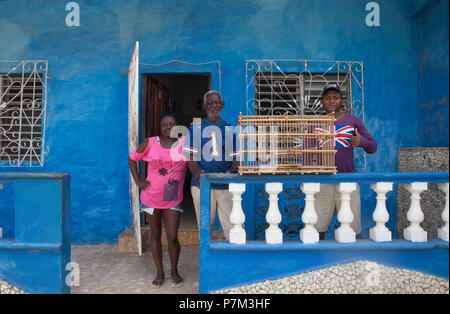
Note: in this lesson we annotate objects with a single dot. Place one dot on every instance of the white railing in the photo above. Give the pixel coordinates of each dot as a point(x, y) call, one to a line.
point(344, 234)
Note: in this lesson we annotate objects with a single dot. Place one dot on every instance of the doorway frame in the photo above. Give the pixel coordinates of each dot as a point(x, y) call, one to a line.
point(144, 78)
point(177, 67)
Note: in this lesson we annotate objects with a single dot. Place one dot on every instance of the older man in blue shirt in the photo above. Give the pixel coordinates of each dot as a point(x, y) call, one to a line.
point(212, 150)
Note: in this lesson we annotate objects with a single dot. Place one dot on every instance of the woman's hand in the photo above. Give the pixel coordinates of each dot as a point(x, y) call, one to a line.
point(143, 184)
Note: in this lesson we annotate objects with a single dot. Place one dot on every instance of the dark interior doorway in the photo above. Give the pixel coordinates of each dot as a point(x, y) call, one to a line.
point(183, 95)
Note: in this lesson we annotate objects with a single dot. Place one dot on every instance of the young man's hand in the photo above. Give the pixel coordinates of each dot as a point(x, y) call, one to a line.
point(356, 139)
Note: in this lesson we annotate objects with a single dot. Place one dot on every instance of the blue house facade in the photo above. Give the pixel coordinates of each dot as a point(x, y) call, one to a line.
point(86, 47)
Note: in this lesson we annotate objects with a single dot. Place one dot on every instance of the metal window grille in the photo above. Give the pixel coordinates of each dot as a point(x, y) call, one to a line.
point(23, 90)
point(296, 93)
point(277, 87)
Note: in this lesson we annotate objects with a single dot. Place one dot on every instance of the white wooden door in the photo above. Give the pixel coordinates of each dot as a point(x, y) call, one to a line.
point(133, 137)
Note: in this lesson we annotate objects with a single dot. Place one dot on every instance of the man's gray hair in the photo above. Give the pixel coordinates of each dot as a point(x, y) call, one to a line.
point(212, 92)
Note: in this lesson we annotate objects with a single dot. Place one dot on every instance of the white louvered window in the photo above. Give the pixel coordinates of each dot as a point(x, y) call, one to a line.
point(22, 113)
point(296, 93)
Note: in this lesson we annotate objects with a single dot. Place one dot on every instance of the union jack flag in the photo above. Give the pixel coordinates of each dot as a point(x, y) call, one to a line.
point(343, 134)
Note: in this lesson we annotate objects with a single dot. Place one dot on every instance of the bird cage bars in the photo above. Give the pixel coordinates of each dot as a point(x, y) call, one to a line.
point(286, 144)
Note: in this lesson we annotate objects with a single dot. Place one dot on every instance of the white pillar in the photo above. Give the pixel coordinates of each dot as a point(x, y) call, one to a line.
point(443, 232)
point(415, 232)
point(345, 233)
point(309, 234)
point(237, 217)
point(273, 216)
point(380, 233)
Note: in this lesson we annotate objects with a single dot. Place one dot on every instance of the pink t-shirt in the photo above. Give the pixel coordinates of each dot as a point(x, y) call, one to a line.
point(166, 170)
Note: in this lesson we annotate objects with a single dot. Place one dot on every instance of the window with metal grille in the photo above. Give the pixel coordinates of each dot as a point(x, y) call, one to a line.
point(22, 112)
point(280, 86)
point(296, 93)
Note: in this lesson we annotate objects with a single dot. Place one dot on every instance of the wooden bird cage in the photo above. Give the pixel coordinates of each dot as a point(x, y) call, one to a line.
point(287, 144)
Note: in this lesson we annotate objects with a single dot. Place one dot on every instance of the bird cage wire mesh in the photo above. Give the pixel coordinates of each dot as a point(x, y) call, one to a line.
point(284, 90)
point(293, 144)
point(23, 94)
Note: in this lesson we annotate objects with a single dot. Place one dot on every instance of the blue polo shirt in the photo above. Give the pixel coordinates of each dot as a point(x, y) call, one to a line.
point(213, 146)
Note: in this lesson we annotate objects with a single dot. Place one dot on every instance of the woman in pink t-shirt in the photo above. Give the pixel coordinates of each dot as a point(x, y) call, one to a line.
point(162, 192)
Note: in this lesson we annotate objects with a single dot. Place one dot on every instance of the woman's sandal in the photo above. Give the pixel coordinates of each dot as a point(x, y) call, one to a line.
point(177, 282)
point(157, 283)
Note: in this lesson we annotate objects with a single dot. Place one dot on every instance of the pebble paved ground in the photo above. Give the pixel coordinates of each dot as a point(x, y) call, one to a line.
point(6, 288)
point(103, 269)
point(361, 277)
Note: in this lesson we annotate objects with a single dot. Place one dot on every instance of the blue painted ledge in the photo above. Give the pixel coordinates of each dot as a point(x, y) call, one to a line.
point(14, 176)
point(8, 244)
point(372, 177)
point(328, 245)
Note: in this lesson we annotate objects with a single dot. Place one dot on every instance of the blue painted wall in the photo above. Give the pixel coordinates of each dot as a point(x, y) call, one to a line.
point(433, 79)
point(7, 210)
point(86, 126)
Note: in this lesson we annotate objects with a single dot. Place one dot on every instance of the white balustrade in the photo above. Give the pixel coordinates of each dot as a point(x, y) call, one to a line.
point(380, 233)
point(273, 216)
point(237, 217)
point(415, 232)
point(345, 233)
point(443, 232)
point(309, 234)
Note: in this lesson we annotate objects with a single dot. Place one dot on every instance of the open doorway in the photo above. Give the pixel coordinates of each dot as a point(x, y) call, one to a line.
point(183, 95)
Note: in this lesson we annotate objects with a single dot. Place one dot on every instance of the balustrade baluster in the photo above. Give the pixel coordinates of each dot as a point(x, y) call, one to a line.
point(237, 217)
point(443, 232)
point(273, 216)
point(309, 234)
point(380, 233)
point(345, 233)
point(415, 232)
